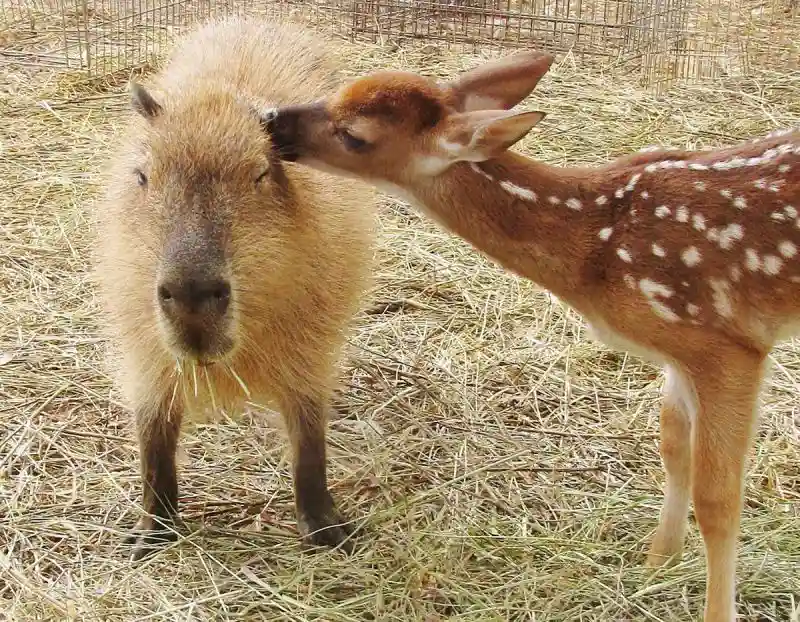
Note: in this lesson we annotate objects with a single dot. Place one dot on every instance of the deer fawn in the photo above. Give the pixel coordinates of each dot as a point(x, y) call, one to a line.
point(689, 259)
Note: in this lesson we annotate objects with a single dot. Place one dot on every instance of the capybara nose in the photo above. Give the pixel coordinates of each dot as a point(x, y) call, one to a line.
point(192, 297)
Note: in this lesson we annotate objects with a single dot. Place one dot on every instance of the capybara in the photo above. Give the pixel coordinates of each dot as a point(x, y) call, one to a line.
point(225, 274)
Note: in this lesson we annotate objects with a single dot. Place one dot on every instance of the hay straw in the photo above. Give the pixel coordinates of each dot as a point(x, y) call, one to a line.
point(505, 465)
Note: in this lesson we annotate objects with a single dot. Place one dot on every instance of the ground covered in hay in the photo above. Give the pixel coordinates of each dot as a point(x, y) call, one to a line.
point(505, 466)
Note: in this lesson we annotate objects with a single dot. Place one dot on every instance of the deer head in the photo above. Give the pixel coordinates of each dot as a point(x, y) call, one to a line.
point(400, 127)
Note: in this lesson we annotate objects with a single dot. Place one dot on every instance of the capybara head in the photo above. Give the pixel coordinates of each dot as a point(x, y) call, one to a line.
point(213, 212)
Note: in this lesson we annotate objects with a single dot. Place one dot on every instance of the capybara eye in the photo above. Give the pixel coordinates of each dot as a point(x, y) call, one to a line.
point(263, 176)
point(141, 178)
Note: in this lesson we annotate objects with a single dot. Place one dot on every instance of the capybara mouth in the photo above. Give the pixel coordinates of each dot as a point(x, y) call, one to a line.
point(203, 347)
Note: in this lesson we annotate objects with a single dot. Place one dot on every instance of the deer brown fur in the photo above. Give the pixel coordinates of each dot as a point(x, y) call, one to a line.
point(689, 259)
point(227, 276)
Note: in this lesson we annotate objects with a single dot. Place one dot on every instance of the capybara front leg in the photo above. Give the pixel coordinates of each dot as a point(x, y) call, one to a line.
point(158, 430)
point(318, 519)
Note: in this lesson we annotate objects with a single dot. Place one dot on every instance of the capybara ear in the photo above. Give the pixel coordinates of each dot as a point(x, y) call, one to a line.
point(143, 102)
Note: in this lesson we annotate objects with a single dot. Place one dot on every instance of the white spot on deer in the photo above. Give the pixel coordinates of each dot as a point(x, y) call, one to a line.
point(787, 249)
point(605, 233)
point(791, 212)
point(775, 186)
point(553, 200)
point(700, 186)
point(740, 203)
point(653, 290)
point(682, 214)
point(726, 193)
point(736, 273)
point(651, 168)
point(629, 281)
point(785, 148)
point(784, 168)
point(624, 255)
point(518, 191)
point(699, 222)
point(574, 204)
point(619, 193)
point(696, 166)
point(751, 260)
point(692, 309)
point(729, 235)
point(721, 297)
point(760, 183)
point(659, 251)
point(601, 200)
point(645, 194)
point(691, 256)
point(775, 134)
point(772, 265)
point(737, 162)
point(632, 182)
point(713, 234)
point(779, 216)
point(480, 171)
point(662, 211)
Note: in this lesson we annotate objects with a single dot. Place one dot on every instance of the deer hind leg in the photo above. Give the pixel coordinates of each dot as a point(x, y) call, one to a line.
point(158, 429)
point(318, 520)
point(727, 391)
point(677, 411)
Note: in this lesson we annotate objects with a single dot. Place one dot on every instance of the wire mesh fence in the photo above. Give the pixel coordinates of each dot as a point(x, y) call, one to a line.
point(664, 39)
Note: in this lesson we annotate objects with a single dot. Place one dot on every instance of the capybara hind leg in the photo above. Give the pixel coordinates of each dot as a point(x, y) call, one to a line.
point(318, 519)
point(158, 431)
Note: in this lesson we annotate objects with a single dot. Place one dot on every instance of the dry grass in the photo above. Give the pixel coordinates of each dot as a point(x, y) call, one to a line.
point(505, 466)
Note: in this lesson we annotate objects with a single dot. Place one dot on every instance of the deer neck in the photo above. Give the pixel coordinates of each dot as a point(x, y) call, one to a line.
point(538, 221)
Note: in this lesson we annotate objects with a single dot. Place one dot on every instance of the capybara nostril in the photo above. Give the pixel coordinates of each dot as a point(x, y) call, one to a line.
point(193, 296)
point(164, 293)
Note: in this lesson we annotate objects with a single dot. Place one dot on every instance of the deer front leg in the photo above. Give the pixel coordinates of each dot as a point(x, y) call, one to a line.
point(318, 520)
point(721, 439)
point(158, 430)
point(675, 447)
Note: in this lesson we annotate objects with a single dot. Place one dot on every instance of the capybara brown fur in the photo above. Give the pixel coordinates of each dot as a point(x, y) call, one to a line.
point(226, 275)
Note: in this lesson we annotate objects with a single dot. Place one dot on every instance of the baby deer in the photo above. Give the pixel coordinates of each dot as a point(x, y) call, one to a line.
point(689, 259)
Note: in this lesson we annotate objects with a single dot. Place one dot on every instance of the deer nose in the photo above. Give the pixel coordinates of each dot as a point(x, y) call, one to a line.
point(193, 297)
point(283, 126)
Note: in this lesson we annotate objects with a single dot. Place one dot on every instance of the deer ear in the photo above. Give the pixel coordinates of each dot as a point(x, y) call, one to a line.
point(500, 84)
point(143, 102)
point(482, 135)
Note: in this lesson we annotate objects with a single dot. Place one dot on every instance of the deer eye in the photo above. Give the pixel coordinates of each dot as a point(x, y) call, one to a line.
point(353, 143)
point(141, 178)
